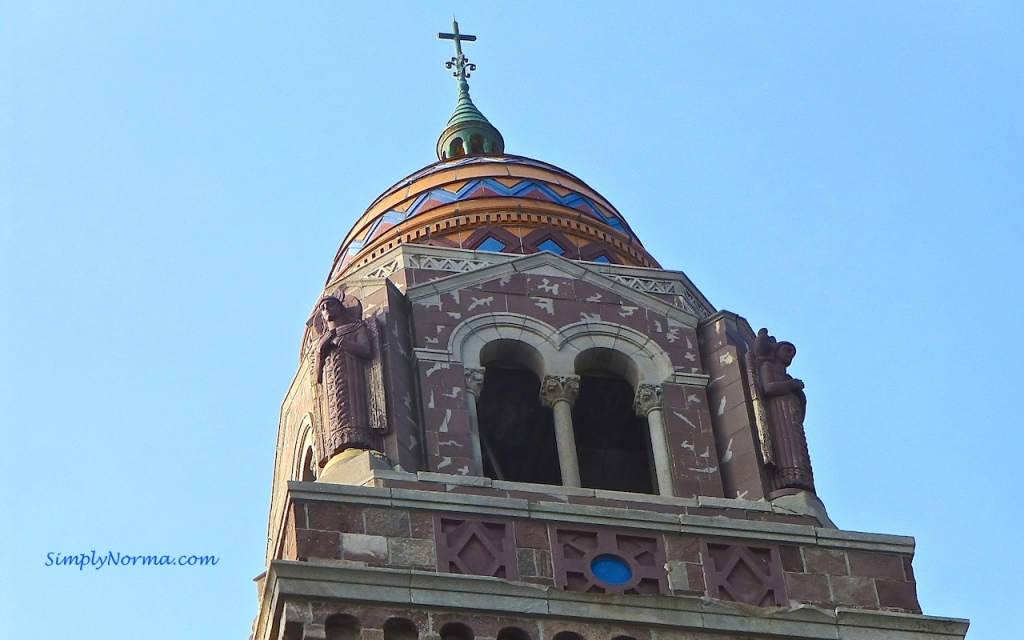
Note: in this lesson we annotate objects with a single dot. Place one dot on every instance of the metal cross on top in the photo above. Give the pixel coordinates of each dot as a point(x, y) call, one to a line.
point(460, 62)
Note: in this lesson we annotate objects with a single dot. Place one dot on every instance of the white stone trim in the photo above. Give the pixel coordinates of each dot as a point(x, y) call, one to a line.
point(557, 510)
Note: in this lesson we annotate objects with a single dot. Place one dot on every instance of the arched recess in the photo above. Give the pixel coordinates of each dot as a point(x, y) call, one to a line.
point(303, 465)
point(613, 443)
point(645, 360)
point(469, 338)
point(512, 633)
point(341, 627)
point(515, 439)
point(517, 433)
point(400, 629)
point(456, 631)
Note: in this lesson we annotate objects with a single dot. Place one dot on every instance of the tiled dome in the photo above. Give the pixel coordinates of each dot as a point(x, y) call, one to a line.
point(502, 203)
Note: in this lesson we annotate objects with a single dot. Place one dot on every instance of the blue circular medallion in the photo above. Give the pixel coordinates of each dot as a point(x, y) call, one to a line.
point(611, 569)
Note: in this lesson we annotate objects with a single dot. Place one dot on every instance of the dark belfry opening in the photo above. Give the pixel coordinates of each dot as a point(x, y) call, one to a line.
point(341, 627)
point(456, 149)
point(476, 143)
point(517, 434)
point(613, 444)
point(400, 629)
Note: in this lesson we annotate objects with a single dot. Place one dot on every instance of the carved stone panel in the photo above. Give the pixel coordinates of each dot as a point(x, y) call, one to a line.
point(751, 574)
point(606, 561)
point(476, 547)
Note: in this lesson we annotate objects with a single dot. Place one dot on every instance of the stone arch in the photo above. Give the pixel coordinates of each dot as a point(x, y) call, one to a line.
point(304, 443)
point(470, 338)
point(614, 362)
point(647, 361)
point(509, 350)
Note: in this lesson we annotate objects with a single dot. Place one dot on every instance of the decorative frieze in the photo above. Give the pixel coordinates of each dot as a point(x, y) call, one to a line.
point(476, 547)
point(751, 574)
point(450, 263)
point(690, 302)
point(604, 561)
point(382, 271)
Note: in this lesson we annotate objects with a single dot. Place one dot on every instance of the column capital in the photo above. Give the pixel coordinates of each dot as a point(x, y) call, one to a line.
point(475, 381)
point(648, 398)
point(555, 388)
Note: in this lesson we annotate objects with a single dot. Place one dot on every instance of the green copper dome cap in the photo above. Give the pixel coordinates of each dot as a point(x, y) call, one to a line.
point(468, 132)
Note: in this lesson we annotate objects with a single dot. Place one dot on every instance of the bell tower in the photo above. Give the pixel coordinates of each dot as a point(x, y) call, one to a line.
point(510, 423)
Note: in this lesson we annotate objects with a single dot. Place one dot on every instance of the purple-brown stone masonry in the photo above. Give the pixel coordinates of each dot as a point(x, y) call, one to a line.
point(837, 577)
point(724, 338)
point(559, 302)
point(521, 549)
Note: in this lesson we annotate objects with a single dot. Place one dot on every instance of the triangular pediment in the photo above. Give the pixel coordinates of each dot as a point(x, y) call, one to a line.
point(599, 284)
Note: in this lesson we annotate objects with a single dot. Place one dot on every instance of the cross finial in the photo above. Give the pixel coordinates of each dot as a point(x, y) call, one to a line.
point(460, 62)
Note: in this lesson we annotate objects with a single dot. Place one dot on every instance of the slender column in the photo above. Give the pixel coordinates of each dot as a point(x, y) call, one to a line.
point(648, 403)
point(474, 385)
point(559, 393)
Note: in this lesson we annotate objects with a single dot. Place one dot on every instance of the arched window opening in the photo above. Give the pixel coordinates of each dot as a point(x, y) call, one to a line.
point(341, 627)
point(456, 149)
point(512, 633)
point(476, 143)
point(456, 631)
point(306, 473)
point(567, 635)
point(517, 434)
point(400, 629)
point(613, 444)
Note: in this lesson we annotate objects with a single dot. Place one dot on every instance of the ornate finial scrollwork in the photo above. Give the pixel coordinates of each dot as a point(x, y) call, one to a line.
point(475, 381)
point(461, 64)
point(648, 398)
point(559, 388)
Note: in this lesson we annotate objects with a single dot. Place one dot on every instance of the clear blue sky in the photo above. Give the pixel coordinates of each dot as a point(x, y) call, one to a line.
point(175, 180)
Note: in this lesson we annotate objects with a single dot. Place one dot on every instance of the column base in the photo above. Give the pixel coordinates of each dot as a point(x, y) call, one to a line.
point(353, 466)
point(803, 503)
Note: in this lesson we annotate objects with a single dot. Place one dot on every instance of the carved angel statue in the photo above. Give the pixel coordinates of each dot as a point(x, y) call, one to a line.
point(341, 354)
point(779, 407)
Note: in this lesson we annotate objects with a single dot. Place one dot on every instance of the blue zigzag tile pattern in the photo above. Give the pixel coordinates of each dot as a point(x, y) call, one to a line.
point(528, 188)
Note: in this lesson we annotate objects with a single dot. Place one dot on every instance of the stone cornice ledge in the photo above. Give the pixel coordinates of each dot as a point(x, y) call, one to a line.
point(289, 580)
point(558, 510)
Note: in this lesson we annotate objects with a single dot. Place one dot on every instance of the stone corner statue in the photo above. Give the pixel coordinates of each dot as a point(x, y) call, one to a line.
point(341, 353)
point(779, 408)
